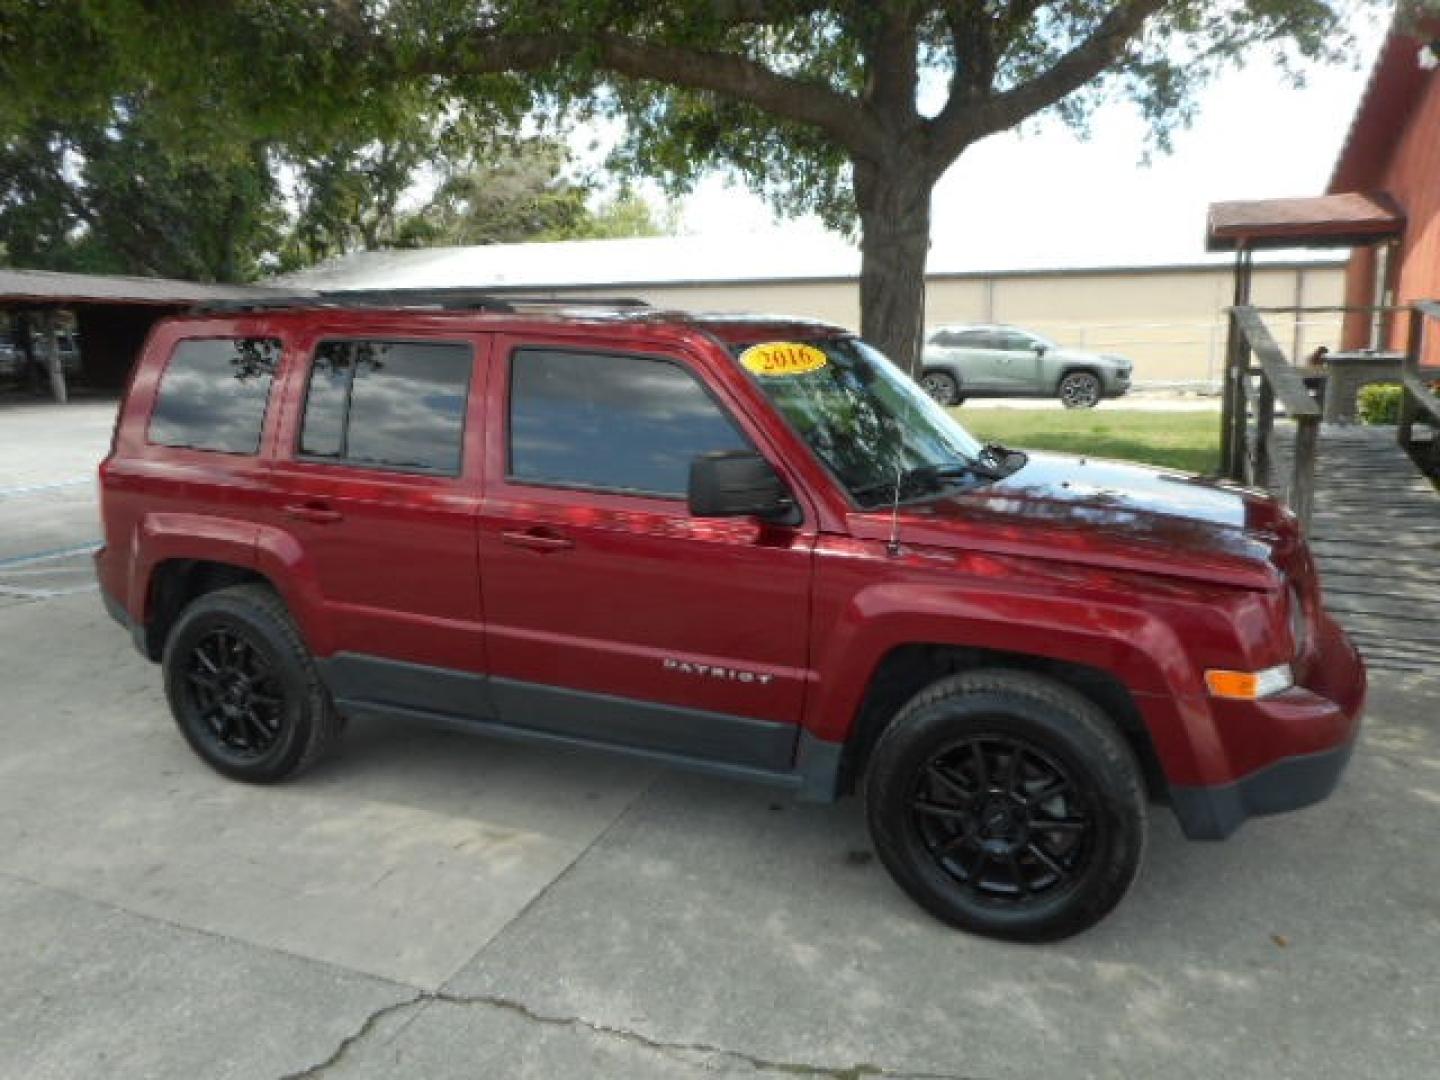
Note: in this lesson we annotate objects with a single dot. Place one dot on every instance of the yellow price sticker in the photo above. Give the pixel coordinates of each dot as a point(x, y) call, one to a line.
point(782, 358)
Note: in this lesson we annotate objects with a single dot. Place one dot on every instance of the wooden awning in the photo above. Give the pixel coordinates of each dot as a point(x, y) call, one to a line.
point(1348, 220)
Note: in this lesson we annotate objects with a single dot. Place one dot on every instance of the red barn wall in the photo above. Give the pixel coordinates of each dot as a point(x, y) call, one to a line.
point(1412, 177)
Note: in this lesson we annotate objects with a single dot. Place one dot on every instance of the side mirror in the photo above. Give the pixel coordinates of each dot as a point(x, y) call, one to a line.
point(739, 483)
point(1041, 348)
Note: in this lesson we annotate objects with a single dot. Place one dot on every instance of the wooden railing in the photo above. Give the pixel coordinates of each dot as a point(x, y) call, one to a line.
point(1418, 402)
point(1248, 409)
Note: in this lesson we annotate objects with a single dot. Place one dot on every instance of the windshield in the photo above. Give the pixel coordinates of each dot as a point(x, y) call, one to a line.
point(865, 419)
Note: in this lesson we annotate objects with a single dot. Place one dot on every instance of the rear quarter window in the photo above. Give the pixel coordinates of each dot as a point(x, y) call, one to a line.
point(214, 393)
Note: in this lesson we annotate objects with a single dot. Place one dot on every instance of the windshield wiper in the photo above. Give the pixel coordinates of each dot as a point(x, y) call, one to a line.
point(931, 474)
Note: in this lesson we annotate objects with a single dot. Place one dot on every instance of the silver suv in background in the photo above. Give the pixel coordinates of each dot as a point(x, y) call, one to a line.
point(12, 354)
point(967, 361)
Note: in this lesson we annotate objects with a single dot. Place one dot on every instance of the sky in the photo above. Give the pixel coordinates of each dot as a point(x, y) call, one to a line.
point(1043, 194)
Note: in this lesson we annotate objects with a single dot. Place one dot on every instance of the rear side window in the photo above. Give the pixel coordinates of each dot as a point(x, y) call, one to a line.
point(388, 404)
point(617, 423)
point(213, 394)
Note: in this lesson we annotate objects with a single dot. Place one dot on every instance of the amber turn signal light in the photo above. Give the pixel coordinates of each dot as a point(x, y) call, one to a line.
point(1249, 685)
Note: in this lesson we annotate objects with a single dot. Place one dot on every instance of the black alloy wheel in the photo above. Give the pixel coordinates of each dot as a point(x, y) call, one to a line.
point(1002, 818)
point(234, 693)
point(1007, 804)
point(243, 688)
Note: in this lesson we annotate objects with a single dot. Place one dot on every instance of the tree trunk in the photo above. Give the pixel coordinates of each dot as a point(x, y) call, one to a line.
point(894, 203)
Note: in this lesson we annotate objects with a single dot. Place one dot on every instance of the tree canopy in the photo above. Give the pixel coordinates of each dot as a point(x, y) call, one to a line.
point(849, 108)
point(105, 196)
point(511, 190)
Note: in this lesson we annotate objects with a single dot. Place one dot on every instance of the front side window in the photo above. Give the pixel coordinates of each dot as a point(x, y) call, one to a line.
point(214, 393)
point(388, 404)
point(619, 423)
point(871, 425)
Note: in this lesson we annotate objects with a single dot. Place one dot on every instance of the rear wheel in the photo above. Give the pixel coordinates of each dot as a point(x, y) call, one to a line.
point(243, 688)
point(941, 386)
point(1008, 805)
point(1080, 390)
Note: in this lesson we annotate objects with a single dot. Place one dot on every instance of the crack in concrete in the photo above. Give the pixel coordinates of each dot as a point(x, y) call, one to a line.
point(424, 999)
point(361, 1033)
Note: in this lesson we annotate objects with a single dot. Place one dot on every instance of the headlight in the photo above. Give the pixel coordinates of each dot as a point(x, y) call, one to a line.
point(1249, 685)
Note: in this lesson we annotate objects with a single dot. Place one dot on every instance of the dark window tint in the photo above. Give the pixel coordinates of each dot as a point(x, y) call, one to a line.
point(1013, 342)
point(624, 423)
point(213, 394)
point(391, 404)
point(969, 339)
point(326, 402)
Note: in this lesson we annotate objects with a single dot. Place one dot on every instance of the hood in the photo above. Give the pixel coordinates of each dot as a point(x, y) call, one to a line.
point(1118, 515)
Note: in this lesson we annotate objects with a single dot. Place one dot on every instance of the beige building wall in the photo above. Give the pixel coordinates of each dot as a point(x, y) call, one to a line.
point(1170, 322)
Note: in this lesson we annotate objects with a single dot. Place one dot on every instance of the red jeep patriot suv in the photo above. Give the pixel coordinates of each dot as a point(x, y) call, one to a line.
point(745, 545)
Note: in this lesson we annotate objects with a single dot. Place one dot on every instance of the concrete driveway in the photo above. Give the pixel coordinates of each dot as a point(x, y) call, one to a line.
point(429, 905)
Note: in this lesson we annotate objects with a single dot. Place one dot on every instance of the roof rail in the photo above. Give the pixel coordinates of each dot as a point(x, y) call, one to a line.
point(449, 299)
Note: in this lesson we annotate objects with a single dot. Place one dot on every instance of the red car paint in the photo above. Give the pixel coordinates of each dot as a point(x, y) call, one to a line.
point(1125, 571)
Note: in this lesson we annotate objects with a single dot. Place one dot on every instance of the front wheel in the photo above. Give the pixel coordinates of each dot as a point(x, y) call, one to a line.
point(1080, 390)
point(1008, 805)
point(941, 386)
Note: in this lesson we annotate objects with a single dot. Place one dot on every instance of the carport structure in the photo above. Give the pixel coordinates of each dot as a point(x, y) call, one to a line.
point(112, 314)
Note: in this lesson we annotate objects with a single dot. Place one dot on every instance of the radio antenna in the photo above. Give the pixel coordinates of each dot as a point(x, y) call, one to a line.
point(893, 547)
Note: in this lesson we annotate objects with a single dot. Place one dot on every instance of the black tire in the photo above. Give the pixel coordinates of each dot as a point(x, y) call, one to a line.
point(951, 801)
point(942, 386)
point(243, 688)
point(1080, 390)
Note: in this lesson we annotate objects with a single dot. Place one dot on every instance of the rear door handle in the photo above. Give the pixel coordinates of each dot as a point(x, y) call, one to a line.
point(315, 513)
point(542, 540)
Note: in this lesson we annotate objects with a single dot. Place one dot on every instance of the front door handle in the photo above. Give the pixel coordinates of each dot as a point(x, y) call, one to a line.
point(314, 512)
point(541, 540)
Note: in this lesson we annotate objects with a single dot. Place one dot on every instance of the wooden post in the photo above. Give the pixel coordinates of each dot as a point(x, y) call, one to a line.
point(1264, 426)
point(1302, 478)
point(53, 364)
point(1234, 409)
point(1409, 407)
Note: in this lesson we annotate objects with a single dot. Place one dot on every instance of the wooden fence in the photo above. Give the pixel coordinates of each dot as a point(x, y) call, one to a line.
point(1258, 378)
point(1247, 420)
point(1418, 402)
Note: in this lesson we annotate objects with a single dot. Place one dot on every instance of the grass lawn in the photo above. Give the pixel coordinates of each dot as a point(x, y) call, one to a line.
point(1180, 440)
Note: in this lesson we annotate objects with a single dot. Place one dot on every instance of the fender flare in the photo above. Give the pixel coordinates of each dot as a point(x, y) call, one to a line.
point(1136, 647)
point(270, 552)
point(166, 536)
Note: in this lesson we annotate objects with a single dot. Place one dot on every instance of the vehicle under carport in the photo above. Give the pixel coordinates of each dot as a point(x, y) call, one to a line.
point(110, 316)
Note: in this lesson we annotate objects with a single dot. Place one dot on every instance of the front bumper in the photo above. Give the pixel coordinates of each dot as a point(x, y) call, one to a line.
point(1213, 813)
point(1317, 722)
